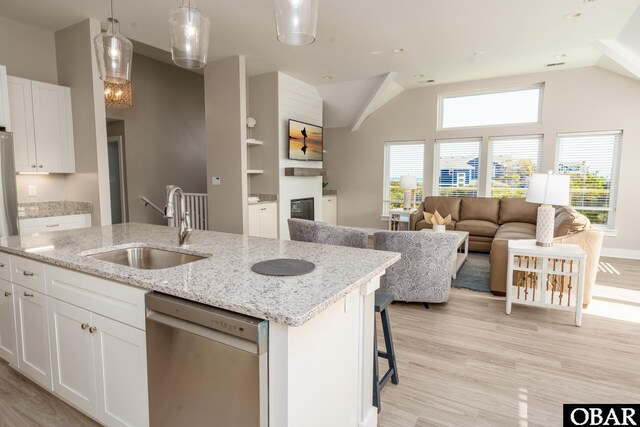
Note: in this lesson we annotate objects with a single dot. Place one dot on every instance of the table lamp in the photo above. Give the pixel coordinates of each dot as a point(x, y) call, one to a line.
point(547, 189)
point(408, 183)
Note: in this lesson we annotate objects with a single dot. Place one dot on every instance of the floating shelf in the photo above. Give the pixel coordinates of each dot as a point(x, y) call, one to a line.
point(254, 171)
point(254, 142)
point(304, 172)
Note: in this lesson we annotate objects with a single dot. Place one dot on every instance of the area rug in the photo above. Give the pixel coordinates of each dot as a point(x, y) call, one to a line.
point(474, 273)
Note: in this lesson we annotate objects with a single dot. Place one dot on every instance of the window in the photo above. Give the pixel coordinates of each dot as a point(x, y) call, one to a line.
point(493, 108)
point(401, 158)
point(457, 167)
point(512, 162)
point(592, 160)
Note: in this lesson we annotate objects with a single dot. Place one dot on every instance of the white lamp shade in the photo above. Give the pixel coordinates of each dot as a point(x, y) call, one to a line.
point(408, 182)
point(549, 189)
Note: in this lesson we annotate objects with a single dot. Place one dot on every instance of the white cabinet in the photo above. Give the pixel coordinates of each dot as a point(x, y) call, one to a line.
point(34, 357)
point(53, 223)
point(8, 336)
point(5, 117)
point(330, 209)
point(41, 121)
point(263, 220)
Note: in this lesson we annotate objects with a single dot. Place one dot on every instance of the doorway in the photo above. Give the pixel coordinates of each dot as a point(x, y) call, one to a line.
point(117, 180)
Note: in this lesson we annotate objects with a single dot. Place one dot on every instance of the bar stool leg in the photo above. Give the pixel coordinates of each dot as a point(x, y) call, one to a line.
point(376, 384)
point(388, 340)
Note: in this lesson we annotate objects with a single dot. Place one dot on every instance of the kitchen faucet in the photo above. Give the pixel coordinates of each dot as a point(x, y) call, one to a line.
point(184, 227)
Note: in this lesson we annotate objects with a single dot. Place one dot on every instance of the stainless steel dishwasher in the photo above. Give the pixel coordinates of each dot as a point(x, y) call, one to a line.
point(207, 366)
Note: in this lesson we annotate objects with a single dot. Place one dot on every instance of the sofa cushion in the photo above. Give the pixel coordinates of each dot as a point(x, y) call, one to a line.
point(518, 210)
point(424, 224)
point(516, 230)
point(477, 227)
point(482, 208)
point(444, 205)
point(569, 221)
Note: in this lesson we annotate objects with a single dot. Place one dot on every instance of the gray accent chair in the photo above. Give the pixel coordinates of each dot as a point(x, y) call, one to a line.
point(303, 230)
point(423, 274)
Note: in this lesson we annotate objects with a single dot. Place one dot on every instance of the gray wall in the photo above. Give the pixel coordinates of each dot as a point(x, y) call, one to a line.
point(27, 51)
point(165, 135)
point(584, 99)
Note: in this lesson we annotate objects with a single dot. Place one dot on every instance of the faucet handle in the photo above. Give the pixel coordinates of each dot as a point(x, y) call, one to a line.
point(187, 220)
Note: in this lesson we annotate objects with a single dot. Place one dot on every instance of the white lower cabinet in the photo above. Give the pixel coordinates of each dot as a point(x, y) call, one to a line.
point(34, 357)
point(8, 336)
point(330, 209)
point(53, 223)
point(263, 220)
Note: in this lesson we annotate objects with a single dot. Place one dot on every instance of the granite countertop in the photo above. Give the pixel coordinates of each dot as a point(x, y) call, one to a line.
point(326, 192)
point(48, 209)
point(224, 279)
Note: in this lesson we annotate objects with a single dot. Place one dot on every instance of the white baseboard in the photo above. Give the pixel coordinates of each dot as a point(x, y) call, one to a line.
point(621, 253)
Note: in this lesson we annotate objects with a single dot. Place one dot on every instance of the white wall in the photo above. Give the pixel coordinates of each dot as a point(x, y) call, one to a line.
point(299, 101)
point(583, 99)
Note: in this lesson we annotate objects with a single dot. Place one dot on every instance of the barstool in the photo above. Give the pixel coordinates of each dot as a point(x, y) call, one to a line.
point(382, 302)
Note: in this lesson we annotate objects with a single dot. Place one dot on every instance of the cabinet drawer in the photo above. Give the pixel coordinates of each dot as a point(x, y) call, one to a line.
point(113, 300)
point(28, 273)
point(5, 266)
point(54, 223)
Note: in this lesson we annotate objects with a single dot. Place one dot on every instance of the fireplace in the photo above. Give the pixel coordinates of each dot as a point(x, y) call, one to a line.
point(302, 208)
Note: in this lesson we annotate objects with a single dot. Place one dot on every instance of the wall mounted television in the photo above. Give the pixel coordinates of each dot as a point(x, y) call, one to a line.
point(305, 141)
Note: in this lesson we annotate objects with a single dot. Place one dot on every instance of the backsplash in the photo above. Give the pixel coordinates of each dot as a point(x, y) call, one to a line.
point(45, 209)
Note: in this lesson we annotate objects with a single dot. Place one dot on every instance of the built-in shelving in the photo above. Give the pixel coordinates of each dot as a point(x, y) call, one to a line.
point(304, 172)
point(254, 171)
point(254, 142)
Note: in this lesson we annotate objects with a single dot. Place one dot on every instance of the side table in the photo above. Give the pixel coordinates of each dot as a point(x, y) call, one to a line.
point(399, 219)
point(550, 277)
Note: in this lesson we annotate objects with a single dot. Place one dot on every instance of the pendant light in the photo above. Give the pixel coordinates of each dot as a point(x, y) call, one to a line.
point(296, 21)
point(189, 32)
point(114, 53)
point(118, 97)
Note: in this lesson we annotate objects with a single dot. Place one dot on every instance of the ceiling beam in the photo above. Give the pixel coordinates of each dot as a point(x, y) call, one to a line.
point(617, 52)
point(369, 106)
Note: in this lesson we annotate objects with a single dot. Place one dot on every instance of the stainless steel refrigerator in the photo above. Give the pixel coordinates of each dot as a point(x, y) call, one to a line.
point(8, 192)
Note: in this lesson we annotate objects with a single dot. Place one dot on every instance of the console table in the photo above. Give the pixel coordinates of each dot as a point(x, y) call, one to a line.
point(550, 277)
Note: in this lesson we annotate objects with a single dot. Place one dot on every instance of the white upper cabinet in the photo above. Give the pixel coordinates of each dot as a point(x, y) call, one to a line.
point(5, 118)
point(42, 126)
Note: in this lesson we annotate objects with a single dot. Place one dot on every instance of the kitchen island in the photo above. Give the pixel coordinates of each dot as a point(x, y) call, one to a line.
point(320, 324)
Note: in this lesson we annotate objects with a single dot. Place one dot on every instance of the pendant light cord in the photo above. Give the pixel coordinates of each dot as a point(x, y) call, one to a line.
point(111, 9)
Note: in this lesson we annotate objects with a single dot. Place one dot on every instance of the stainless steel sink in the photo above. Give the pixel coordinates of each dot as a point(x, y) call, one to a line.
point(147, 258)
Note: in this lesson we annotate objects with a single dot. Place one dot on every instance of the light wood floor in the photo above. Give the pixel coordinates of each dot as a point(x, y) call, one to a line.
point(466, 363)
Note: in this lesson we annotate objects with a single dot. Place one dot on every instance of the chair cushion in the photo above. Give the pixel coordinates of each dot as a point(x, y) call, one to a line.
point(477, 227)
point(422, 224)
point(518, 210)
point(516, 230)
point(482, 208)
point(444, 205)
point(569, 221)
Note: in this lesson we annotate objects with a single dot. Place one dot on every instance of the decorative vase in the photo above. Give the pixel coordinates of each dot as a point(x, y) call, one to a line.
point(439, 228)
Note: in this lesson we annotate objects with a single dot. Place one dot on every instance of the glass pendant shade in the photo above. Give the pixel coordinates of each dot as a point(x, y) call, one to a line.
point(114, 54)
point(189, 33)
point(118, 97)
point(296, 21)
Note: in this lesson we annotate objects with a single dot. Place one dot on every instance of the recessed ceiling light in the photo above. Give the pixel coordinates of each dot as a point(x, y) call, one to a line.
point(424, 82)
point(398, 50)
point(561, 55)
point(419, 76)
point(573, 15)
point(375, 52)
point(479, 53)
point(327, 77)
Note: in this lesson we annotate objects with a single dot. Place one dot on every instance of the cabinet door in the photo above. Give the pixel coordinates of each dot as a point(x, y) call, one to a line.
point(269, 221)
point(5, 117)
point(21, 111)
point(51, 117)
point(8, 335)
point(330, 209)
point(34, 356)
point(254, 220)
point(72, 355)
point(121, 373)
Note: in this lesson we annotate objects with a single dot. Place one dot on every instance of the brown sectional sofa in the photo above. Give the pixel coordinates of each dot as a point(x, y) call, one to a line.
point(492, 222)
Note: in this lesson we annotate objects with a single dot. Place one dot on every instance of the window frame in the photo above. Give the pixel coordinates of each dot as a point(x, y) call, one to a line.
point(386, 199)
point(436, 163)
point(615, 174)
point(489, 160)
point(443, 96)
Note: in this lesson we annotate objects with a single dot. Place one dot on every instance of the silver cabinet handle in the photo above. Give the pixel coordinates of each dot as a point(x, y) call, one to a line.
point(1, 265)
point(7, 294)
point(27, 273)
point(53, 225)
point(40, 166)
point(84, 326)
point(28, 295)
point(92, 329)
point(33, 166)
